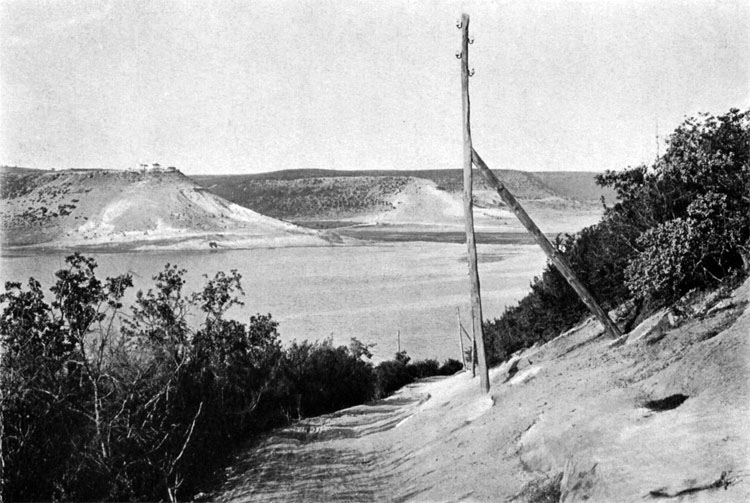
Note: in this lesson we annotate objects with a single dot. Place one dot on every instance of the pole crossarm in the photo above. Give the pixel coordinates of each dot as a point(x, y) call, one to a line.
point(551, 252)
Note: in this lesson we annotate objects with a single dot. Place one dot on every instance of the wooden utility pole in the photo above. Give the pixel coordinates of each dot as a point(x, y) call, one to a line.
point(550, 250)
point(461, 338)
point(476, 300)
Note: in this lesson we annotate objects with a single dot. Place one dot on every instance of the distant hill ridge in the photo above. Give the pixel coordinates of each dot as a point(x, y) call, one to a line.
point(301, 194)
point(95, 207)
point(155, 208)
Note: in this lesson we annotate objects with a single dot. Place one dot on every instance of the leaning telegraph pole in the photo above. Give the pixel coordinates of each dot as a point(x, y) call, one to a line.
point(476, 299)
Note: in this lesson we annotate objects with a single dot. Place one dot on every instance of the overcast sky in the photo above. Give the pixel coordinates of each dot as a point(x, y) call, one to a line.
point(252, 86)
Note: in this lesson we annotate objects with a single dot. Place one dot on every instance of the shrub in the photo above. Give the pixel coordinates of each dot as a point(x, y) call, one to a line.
point(667, 261)
point(147, 413)
point(391, 375)
point(684, 253)
point(423, 368)
point(679, 224)
point(394, 374)
point(54, 380)
point(450, 367)
point(696, 199)
point(325, 378)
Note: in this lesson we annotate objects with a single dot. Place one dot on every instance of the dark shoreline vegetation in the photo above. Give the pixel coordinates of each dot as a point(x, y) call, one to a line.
point(104, 403)
point(401, 236)
point(383, 234)
point(147, 409)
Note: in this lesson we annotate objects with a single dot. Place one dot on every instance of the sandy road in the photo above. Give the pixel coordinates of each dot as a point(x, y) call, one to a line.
point(335, 457)
point(662, 415)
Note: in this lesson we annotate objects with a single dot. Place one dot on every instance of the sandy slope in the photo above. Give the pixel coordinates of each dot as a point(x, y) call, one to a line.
point(94, 208)
point(421, 205)
point(577, 408)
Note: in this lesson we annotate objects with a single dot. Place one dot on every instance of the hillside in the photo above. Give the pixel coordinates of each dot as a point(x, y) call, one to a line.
point(287, 194)
point(158, 208)
point(306, 198)
point(580, 186)
point(103, 208)
point(18, 170)
point(660, 414)
point(431, 198)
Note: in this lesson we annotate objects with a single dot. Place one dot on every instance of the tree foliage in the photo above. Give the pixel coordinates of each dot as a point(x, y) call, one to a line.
point(105, 403)
point(691, 208)
point(679, 224)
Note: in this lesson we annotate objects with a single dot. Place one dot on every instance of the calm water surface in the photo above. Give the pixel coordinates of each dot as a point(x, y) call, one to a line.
point(369, 292)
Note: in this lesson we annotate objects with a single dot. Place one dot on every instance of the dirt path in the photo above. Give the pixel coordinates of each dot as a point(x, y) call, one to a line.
point(329, 458)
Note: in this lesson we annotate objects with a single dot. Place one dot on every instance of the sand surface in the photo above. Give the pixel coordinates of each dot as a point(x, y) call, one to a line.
point(579, 411)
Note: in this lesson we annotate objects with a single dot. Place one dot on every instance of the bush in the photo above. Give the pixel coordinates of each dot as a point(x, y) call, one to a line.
point(144, 414)
point(148, 411)
point(450, 367)
point(666, 261)
point(325, 378)
point(685, 253)
point(391, 375)
point(394, 374)
point(679, 224)
point(423, 368)
point(695, 203)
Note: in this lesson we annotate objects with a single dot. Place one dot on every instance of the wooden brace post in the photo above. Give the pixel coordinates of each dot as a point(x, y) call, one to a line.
point(543, 242)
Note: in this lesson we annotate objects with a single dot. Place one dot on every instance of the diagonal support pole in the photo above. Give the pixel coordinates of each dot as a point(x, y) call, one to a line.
point(543, 242)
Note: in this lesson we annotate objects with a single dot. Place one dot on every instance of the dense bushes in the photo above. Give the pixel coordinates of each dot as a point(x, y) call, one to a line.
point(147, 410)
point(324, 378)
point(394, 374)
point(692, 207)
point(679, 224)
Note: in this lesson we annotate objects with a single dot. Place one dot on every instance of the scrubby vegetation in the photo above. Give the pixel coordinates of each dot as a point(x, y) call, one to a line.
point(324, 197)
point(396, 373)
point(315, 194)
point(100, 402)
point(680, 224)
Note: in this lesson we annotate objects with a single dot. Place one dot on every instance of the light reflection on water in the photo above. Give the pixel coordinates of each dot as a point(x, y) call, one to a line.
point(368, 292)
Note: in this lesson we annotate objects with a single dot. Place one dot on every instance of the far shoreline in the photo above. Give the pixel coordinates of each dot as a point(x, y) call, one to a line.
point(356, 235)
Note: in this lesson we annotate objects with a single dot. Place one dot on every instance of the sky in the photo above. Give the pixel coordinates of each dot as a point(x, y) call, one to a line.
point(226, 86)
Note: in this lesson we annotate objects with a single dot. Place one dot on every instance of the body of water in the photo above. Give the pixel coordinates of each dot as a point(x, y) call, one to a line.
point(369, 292)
